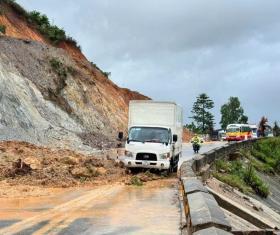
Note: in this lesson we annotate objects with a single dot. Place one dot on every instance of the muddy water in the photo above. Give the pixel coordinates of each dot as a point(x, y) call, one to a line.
point(118, 209)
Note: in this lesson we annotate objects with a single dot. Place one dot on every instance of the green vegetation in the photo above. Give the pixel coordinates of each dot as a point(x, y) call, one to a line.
point(60, 69)
point(106, 74)
point(41, 22)
point(52, 32)
point(232, 112)
point(202, 116)
point(252, 179)
point(238, 175)
point(267, 152)
point(233, 181)
point(2, 29)
point(263, 157)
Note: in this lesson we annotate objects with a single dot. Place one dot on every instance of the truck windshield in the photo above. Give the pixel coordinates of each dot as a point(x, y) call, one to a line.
point(149, 134)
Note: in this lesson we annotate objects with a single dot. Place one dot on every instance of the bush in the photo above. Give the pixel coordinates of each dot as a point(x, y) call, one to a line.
point(3, 29)
point(58, 68)
point(42, 24)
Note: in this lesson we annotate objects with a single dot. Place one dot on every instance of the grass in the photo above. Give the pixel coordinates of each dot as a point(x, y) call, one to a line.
point(233, 181)
point(264, 156)
point(239, 175)
point(267, 151)
point(252, 179)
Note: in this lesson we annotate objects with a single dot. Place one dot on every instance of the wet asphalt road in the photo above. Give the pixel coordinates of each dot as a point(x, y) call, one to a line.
point(113, 209)
point(205, 147)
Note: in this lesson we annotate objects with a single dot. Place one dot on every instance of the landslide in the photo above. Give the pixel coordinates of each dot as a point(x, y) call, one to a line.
point(25, 164)
point(50, 94)
point(22, 163)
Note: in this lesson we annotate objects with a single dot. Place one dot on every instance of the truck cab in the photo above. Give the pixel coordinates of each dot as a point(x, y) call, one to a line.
point(154, 135)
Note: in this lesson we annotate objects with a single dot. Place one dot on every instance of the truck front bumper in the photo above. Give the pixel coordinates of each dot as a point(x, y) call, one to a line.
point(161, 165)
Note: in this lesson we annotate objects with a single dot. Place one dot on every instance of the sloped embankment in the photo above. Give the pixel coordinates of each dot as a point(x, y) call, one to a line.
point(50, 94)
point(47, 96)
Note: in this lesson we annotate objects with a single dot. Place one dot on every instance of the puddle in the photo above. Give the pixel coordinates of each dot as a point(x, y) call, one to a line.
point(151, 209)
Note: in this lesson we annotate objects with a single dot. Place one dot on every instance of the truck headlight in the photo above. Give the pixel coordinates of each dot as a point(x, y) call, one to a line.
point(128, 154)
point(164, 155)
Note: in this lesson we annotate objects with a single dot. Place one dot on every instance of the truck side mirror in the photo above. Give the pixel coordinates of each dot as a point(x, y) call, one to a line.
point(120, 135)
point(175, 138)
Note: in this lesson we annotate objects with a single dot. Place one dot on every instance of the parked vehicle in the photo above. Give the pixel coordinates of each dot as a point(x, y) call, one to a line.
point(254, 130)
point(222, 135)
point(238, 132)
point(154, 135)
point(268, 132)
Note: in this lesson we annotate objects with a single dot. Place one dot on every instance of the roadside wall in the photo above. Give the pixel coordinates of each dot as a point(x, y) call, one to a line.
point(203, 214)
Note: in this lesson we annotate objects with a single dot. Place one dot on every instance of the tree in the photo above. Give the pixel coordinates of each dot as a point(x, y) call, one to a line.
point(276, 129)
point(201, 115)
point(232, 112)
point(192, 127)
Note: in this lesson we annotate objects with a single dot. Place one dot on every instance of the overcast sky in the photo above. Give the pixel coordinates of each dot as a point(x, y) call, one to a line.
point(177, 49)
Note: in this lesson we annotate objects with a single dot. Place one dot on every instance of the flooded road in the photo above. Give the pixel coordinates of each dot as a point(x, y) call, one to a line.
point(117, 209)
point(104, 210)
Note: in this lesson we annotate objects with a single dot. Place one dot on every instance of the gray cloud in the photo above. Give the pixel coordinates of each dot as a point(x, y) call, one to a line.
point(176, 49)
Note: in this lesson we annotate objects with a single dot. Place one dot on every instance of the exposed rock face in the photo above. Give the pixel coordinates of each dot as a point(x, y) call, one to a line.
point(55, 96)
point(46, 96)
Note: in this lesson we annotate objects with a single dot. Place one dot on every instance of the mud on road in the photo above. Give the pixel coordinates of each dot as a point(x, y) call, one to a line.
point(28, 170)
point(26, 164)
point(47, 191)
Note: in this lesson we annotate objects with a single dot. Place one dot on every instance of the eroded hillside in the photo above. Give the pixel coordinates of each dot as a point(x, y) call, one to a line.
point(52, 92)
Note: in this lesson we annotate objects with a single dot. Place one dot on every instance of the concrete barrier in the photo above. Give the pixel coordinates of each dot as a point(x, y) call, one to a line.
point(200, 161)
point(202, 210)
point(204, 215)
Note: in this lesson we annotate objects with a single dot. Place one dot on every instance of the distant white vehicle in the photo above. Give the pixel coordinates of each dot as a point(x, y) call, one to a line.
point(254, 129)
point(154, 135)
point(268, 131)
point(222, 135)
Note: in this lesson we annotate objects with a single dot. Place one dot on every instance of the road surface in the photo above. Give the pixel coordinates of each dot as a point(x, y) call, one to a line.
point(205, 147)
point(112, 209)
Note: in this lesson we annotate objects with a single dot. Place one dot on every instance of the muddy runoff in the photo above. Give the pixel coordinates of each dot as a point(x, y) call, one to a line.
point(46, 191)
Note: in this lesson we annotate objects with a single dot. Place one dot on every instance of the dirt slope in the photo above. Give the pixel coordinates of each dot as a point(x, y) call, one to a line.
point(54, 93)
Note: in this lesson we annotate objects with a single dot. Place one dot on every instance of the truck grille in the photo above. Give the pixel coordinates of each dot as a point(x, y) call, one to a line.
point(146, 156)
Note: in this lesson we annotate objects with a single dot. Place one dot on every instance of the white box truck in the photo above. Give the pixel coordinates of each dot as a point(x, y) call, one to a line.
point(154, 135)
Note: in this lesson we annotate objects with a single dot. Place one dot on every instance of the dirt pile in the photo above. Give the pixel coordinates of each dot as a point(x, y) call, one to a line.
point(26, 164)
